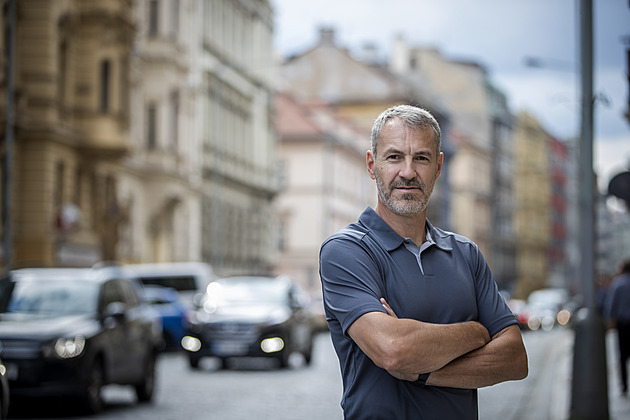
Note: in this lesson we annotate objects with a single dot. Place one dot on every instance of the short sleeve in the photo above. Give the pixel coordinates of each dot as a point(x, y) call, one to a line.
point(350, 281)
point(493, 311)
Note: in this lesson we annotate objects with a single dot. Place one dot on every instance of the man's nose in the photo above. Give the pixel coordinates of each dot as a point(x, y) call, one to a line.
point(407, 170)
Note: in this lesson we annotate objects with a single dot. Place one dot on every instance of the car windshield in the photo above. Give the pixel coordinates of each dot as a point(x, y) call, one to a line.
point(248, 290)
point(47, 296)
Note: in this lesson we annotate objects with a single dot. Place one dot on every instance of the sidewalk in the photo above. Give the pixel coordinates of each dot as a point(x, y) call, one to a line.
point(618, 406)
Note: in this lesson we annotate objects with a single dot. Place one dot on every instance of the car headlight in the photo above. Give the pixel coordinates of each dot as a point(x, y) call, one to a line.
point(67, 348)
point(272, 345)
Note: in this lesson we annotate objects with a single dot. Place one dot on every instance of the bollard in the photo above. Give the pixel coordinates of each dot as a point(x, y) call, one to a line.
point(589, 391)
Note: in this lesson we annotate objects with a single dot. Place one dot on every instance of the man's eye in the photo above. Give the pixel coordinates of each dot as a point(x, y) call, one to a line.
point(393, 157)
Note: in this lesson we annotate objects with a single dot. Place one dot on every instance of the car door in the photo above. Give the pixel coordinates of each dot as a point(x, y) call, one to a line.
point(301, 328)
point(138, 332)
point(115, 330)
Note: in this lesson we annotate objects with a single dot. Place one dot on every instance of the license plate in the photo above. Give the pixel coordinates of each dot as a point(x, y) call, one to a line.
point(12, 371)
point(234, 348)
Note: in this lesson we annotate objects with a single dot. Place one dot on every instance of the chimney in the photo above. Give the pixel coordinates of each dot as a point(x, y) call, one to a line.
point(327, 36)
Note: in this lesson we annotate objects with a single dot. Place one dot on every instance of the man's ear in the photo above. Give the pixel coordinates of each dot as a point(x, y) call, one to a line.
point(369, 161)
point(440, 163)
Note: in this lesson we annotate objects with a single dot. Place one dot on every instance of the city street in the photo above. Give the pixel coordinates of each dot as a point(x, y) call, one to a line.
point(255, 389)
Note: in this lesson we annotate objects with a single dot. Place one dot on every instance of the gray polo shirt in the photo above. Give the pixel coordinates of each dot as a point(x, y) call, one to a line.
point(446, 281)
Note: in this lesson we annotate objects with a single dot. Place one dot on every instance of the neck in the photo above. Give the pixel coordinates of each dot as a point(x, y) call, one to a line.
point(412, 226)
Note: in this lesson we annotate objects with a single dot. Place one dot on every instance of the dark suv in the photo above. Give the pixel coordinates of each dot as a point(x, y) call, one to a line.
point(254, 316)
point(69, 331)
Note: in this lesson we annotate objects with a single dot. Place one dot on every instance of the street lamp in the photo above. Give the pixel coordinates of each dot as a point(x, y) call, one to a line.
point(589, 391)
point(7, 172)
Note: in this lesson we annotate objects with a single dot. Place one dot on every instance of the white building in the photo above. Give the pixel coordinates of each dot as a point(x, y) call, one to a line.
point(325, 183)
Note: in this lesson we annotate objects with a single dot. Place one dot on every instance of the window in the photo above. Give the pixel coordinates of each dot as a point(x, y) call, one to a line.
point(60, 173)
point(112, 293)
point(154, 6)
point(174, 100)
point(151, 127)
point(174, 19)
point(104, 86)
point(63, 73)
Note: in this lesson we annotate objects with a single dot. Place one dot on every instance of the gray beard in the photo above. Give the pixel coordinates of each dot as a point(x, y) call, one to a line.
point(407, 205)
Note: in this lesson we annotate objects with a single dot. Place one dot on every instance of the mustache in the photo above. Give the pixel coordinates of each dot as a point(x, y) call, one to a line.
point(407, 184)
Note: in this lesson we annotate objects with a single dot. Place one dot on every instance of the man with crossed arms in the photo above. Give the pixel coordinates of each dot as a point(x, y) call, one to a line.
point(415, 316)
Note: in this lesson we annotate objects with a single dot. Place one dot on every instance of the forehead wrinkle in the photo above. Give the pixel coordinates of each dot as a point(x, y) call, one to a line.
point(409, 138)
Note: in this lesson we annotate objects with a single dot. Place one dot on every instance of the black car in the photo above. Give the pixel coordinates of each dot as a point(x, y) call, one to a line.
point(250, 317)
point(68, 332)
point(4, 392)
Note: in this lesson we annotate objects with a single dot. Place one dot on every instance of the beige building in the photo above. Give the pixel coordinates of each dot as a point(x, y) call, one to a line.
point(143, 133)
point(358, 88)
point(161, 178)
point(233, 74)
point(462, 88)
point(532, 187)
point(71, 129)
point(326, 185)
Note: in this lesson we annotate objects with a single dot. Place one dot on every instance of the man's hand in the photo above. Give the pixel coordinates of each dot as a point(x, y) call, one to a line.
point(388, 308)
point(413, 347)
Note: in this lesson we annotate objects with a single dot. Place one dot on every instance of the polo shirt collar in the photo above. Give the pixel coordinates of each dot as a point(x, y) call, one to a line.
point(390, 239)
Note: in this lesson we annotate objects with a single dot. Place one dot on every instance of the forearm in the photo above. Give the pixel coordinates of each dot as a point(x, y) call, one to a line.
point(432, 346)
point(409, 346)
point(502, 359)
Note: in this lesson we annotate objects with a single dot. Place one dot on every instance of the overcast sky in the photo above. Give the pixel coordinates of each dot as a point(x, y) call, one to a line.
point(499, 34)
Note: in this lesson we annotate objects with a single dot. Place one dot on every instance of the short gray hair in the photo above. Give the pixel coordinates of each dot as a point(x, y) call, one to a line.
point(413, 117)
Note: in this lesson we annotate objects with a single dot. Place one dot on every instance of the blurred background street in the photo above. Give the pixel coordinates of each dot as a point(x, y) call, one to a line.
point(255, 389)
point(157, 147)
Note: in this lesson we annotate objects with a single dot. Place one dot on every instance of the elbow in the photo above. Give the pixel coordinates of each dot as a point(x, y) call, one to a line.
point(396, 356)
point(521, 365)
point(389, 356)
point(388, 359)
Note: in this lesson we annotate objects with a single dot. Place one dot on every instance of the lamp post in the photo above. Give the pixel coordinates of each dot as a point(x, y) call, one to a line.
point(7, 167)
point(589, 391)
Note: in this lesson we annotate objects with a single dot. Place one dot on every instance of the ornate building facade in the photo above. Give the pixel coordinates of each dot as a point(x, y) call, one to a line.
point(71, 129)
point(143, 133)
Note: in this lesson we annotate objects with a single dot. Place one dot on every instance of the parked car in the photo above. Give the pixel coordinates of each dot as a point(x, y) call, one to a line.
point(189, 279)
point(250, 317)
point(4, 392)
point(68, 332)
point(173, 313)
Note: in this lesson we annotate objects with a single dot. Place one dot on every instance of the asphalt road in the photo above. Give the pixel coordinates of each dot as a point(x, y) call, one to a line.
point(257, 389)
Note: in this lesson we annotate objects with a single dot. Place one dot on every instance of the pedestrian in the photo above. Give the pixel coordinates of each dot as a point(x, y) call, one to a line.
point(617, 312)
point(415, 316)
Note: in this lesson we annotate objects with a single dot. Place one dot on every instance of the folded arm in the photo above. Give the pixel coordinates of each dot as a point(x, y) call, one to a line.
point(503, 359)
point(409, 347)
point(458, 355)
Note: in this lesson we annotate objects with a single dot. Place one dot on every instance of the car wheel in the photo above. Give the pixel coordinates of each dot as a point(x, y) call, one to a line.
point(144, 391)
point(223, 363)
point(4, 404)
point(283, 358)
point(308, 354)
point(92, 398)
point(193, 361)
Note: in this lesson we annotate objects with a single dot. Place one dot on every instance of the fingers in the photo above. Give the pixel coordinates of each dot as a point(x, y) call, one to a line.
point(388, 308)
